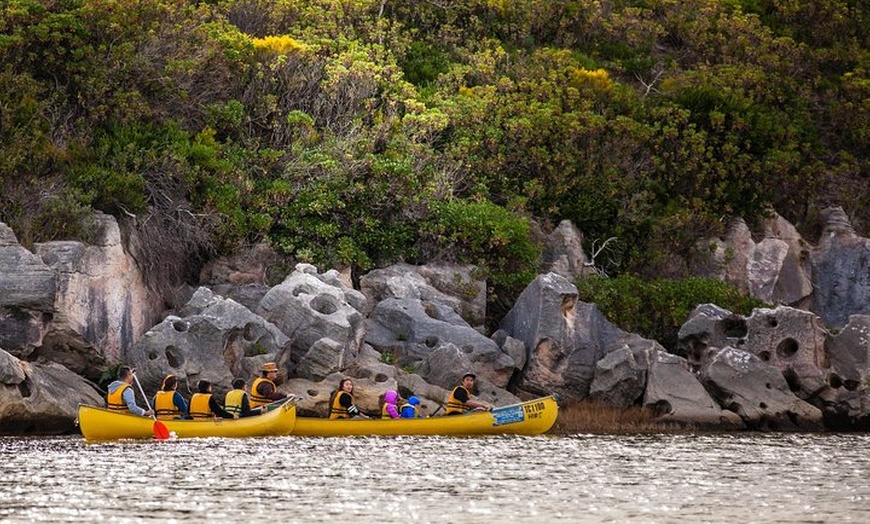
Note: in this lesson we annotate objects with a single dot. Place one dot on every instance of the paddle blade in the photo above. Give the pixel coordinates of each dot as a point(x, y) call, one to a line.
point(161, 432)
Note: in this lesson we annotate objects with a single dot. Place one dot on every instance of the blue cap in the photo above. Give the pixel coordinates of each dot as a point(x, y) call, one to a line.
point(413, 401)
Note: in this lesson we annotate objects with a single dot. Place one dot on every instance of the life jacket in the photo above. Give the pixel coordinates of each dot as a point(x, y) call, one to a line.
point(256, 400)
point(412, 407)
point(384, 412)
point(454, 405)
point(164, 405)
point(233, 402)
point(199, 407)
point(115, 400)
point(336, 410)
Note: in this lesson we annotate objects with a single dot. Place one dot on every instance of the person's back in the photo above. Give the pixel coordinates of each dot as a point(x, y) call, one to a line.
point(168, 402)
point(120, 396)
point(203, 405)
point(389, 409)
point(411, 408)
point(236, 402)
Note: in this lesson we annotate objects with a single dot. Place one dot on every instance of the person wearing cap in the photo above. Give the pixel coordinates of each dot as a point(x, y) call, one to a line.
point(120, 394)
point(341, 404)
point(411, 408)
point(168, 402)
point(203, 404)
point(237, 402)
point(264, 390)
point(460, 400)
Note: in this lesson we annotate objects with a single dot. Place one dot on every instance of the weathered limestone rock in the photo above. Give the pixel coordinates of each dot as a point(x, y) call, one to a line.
point(309, 307)
point(675, 394)
point(774, 270)
point(27, 291)
point(757, 391)
point(709, 326)
point(25, 281)
point(621, 374)
point(849, 355)
point(220, 341)
point(841, 271)
point(40, 399)
point(409, 331)
point(563, 254)
point(102, 305)
point(450, 285)
point(564, 338)
point(792, 341)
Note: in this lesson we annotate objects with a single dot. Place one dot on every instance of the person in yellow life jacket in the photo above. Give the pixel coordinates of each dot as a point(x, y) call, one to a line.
point(389, 409)
point(341, 404)
point(120, 394)
point(168, 402)
point(264, 390)
point(460, 400)
point(237, 403)
point(203, 404)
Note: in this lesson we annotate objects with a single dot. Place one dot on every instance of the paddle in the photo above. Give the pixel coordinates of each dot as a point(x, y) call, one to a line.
point(161, 432)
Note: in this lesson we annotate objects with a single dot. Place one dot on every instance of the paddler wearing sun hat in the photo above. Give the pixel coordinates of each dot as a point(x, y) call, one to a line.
point(264, 390)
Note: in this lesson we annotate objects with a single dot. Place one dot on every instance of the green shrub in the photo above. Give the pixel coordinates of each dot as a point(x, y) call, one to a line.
point(657, 308)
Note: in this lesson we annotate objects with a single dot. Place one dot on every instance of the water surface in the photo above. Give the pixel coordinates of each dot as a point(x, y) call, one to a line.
point(583, 478)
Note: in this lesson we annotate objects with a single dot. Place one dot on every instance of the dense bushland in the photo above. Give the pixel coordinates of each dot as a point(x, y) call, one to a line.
point(361, 132)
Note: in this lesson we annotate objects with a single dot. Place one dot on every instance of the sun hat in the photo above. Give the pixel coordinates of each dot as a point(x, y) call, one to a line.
point(470, 374)
point(269, 366)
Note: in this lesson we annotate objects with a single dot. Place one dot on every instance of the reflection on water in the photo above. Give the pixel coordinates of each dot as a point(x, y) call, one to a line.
point(586, 478)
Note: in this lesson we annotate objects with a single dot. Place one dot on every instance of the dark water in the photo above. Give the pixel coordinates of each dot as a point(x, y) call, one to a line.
point(584, 478)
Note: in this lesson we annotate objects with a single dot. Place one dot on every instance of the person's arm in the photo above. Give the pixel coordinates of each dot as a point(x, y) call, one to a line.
point(246, 407)
point(266, 390)
point(346, 401)
point(391, 409)
point(182, 406)
point(217, 409)
point(130, 399)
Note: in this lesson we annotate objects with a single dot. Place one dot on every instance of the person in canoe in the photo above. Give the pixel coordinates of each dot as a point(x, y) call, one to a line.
point(411, 409)
point(120, 394)
point(237, 402)
point(460, 400)
point(390, 409)
point(341, 404)
point(264, 390)
point(203, 404)
point(168, 402)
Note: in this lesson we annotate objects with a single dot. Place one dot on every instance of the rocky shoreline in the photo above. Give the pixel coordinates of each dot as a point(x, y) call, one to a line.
point(70, 313)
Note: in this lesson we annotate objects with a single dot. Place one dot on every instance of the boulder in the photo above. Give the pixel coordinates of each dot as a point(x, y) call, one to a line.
point(563, 253)
point(26, 281)
point(757, 391)
point(409, 330)
point(450, 285)
point(564, 338)
point(675, 394)
point(792, 341)
point(620, 375)
point(102, 305)
point(41, 398)
point(221, 340)
point(841, 271)
point(709, 326)
point(309, 307)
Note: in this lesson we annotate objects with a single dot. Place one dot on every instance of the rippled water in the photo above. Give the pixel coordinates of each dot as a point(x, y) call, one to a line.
point(583, 478)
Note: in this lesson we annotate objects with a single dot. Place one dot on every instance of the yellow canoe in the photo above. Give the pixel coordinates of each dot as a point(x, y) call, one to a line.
point(528, 418)
point(102, 424)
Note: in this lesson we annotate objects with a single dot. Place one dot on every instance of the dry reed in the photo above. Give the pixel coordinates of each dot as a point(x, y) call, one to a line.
point(600, 418)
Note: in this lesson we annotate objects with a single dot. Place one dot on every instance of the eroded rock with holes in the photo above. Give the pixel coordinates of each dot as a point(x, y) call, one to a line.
point(41, 398)
point(792, 341)
point(756, 391)
point(309, 307)
point(564, 338)
point(218, 341)
point(674, 393)
point(848, 352)
point(449, 285)
point(409, 330)
point(709, 326)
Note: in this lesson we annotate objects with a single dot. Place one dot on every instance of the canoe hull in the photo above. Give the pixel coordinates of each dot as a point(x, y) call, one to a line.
point(102, 424)
point(528, 418)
